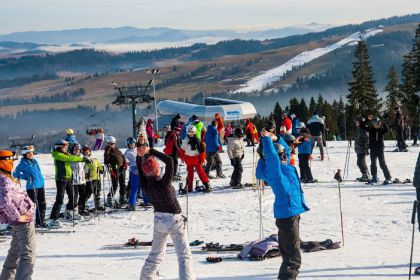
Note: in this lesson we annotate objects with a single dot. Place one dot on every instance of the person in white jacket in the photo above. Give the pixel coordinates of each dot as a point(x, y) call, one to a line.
point(79, 184)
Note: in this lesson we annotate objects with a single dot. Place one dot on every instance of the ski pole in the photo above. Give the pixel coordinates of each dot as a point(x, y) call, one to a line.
point(260, 204)
point(339, 179)
point(413, 221)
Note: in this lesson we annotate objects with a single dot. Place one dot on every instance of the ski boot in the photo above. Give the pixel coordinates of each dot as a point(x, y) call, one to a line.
point(68, 215)
point(131, 208)
point(373, 180)
point(387, 182)
point(51, 224)
point(207, 188)
point(364, 178)
point(84, 213)
point(237, 186)
point(220, 176)
point(109, 202)
point(311, 181)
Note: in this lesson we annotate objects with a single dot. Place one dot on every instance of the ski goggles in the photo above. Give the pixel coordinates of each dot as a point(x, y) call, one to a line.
point(10, 156)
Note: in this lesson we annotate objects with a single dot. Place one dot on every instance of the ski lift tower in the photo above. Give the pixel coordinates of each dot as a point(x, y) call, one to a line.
point(132, 95)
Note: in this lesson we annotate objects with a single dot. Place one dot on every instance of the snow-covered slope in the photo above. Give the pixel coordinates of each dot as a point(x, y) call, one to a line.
point(265, 79)
point(376, 223)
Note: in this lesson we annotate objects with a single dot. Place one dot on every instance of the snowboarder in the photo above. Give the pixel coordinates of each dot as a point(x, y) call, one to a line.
point(289, 203)
point(377, 130)
point(316, 126)
point(28, 169)
point(79, 183)
point(235, 151)
point(63, 180)
point(115, 161)
point(133, 181)
point(16, 210)
point(190, 153)
point(361, 146)
point(212, 150)
point(304, 155)
point(168, 220)
point(93, 171)
point(399, 126)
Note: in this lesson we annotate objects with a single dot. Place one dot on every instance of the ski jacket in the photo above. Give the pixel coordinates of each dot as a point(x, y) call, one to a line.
point(93, 170)
point(149, 129)
point(316, 126)
point(249, 129)
point(160, 191)
point(62, 165)
point(361, 141)
point(295, 122)
point(305, 148)
point(28, 170)
point(13, 201)
point(79, 176)
point(191, 146)
point(113, 157)
point(171, 143)
point(284, 181)
point(175, 121)
point(212, 139)
point(100, 136)
point(228, 131)
point(130, 155)
point(235, 148)
point(416, 179)
point(260, 247)
point(288, 124)
point(376, 137)
point(199, 126)
point(220, 123)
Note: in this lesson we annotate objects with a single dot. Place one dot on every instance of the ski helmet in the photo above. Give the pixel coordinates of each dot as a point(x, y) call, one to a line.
point(238, 132)
point(110, 139)
point(192, 129)
point(69, 131)
point(289, 138)
point(279, 148)
point(75, 146)
point(130, 141)
point(27, 149)
point(6, 160)
point(60, 143)
point(300, 125)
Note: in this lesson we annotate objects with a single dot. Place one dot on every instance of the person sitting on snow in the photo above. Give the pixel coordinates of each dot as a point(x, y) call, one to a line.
point(289, 203)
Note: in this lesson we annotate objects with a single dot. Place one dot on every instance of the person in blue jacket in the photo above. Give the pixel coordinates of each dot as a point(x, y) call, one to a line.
point(212, 150)
point(28, 169)
point(305, 153)
point(289, 203)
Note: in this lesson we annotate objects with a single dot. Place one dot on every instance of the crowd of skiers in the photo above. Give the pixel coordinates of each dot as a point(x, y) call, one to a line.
point(78, 174)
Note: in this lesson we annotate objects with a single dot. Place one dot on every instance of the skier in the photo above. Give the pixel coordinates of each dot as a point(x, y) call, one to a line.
point(142, 142)
point(16, 210)
point(377, 130)
point(295, 121)
point(134, 183)
point(191, 149)
point(220, 128)
point(235, 151)
point(168, 219)
point(287, 123)
point(228, 130)
point(63, 180)
point(100, 136)
point(175, 122)
point(93, 171)
point(288, 204)
point(416, 183)
point(361, 146)
point(79, 183)
point(250, 131)
point(150, 133)
point(172, 146)
point(399, 126)
point(317, 128)
point(115, 161)
point(304, 154)
point(212, 150)
point(195, 121)
point(28, 169)
point(70, 138)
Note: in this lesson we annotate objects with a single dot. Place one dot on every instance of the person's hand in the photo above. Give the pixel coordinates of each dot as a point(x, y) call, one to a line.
point(141, 151)
point(25, 218)
point(87, 159)
point(232, 162)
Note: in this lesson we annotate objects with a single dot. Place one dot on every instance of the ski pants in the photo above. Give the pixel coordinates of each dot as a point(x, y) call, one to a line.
point(174, 157)
point(151, 142)
point(79, 195)
point(361, 163)
point(117, 177)
point(134, 188)
point(289, 246)
point(175, 226)
point(20, 260)
point(319, 143)
point(400, 139)
point(305, 169)
point(378, 154)
point(92, 187)
point(63, 185)
point(38, 197)
point(98, 145)
point(194, 162)
point(237, 171)
point(210, 157)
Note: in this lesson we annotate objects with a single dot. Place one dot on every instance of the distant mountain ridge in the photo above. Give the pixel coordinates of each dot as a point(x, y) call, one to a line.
point(144, 35)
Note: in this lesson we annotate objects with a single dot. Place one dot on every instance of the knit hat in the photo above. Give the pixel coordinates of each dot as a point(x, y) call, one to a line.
point(6, 160)
point(150, 167)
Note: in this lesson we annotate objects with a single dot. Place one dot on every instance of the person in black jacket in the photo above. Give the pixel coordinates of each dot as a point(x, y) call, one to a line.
point(377, 130)
point(361, 146)
point(316, 126)
point(117, 165)
point(168, 220)
point(416, 183)
point(399, 126)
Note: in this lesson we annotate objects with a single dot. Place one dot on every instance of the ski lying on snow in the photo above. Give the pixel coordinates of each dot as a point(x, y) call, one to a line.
point(42, 231)
point(216, 259)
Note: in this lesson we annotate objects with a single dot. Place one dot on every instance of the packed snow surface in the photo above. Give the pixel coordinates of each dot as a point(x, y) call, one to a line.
point(267, 78)
point(377, 228)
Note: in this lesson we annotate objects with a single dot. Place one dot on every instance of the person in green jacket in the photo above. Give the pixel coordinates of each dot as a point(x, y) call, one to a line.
point(63, 179)
point(93, 171)
point(195, 121)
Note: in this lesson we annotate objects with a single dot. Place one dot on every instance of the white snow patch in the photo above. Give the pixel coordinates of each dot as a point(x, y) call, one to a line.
point(269, 77)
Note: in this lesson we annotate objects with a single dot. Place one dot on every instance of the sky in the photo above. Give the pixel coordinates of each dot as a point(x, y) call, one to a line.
point(245, 15)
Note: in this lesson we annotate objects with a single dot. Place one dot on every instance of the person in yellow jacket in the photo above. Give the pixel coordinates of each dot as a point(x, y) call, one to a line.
point(93, 171)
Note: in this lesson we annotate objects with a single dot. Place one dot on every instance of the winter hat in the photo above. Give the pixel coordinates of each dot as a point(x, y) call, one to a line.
point(110, 139)
point(60, 143)
point(27, 149)
point(282, 128)
point(150, 167)
point(315, 112)
point(6, 160)
point(131, 140)
point(69, 131)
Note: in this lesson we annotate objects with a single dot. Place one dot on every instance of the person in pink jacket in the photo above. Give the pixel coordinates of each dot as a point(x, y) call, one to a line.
point(17, 210)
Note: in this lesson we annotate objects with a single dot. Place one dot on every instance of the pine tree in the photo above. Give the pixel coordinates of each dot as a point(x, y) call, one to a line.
point(312, 105)
point(303, 111)
point(278, 111)
point(408, 86)
point(320, 105)
point(416, 57)
point(394, 96)
point(363, 98)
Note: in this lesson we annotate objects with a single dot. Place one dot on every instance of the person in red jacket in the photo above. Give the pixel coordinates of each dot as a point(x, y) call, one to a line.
point(220, 127)
point(287, 123)
point(172, 147)
point(250, 133)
